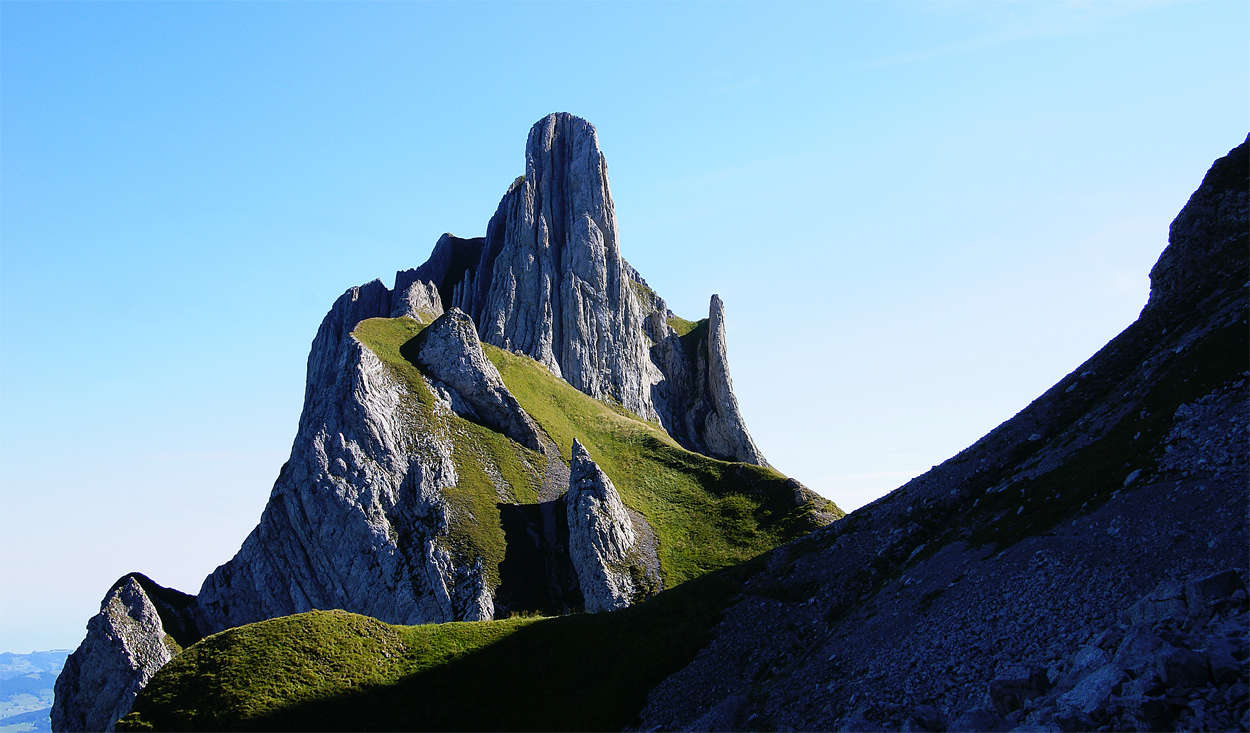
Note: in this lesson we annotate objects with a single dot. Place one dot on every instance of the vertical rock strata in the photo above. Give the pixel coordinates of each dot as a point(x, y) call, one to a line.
point(695, 400)
point(551, 284)
point(358, 516)
point(724, 432)
point(126, 644)
point(548, 281)
point(601, 535)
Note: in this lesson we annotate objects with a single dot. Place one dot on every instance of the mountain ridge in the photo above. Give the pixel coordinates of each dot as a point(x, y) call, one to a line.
point(1081, 567)
point(420, 489)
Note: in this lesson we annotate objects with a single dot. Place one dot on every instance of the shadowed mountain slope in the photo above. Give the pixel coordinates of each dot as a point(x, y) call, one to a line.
point(1081, 567)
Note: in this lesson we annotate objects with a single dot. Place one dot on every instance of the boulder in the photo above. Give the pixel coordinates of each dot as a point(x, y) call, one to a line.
point(1181, 667)
point(1014, 685)
point(1137, 650)
point(1094, 689)
point(1203, 593)
point(979, 720)
point(450, 353)
point(1165, 603)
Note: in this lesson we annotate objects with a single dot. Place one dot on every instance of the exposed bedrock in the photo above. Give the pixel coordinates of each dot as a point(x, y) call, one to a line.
point(601, 536)
point(695, 400)
point(358, 516)
point(550, 282)
point(451, 353)
point(135, 633)
point(418, 299)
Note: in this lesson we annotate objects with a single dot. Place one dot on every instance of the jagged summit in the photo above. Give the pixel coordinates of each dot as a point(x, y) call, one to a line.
point(1082, 567)
point(548, 280)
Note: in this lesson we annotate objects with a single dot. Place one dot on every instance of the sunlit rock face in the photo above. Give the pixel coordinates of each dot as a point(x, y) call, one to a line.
point(358, 513)
point(601, 535)
point(551, 283)
point(126, 644)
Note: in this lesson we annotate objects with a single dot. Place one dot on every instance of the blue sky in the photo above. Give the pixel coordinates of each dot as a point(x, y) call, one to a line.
point(919, 215)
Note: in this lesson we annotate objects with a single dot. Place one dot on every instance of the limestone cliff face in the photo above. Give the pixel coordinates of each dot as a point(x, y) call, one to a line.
point(126, 644)
point(550, 282)
point(357, 518)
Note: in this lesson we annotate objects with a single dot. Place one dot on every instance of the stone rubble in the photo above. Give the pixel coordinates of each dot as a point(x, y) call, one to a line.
point(1081, 567)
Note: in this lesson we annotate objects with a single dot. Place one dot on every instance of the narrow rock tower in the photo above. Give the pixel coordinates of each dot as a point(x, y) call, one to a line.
point(551, 282)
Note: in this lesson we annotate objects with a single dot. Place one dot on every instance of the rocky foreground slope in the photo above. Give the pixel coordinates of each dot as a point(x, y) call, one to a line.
point(441, 420)
point(1081, 567)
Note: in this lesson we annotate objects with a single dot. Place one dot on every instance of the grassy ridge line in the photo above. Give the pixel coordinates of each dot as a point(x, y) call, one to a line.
point(707, 514)
point(335, 670)
point(332, 670)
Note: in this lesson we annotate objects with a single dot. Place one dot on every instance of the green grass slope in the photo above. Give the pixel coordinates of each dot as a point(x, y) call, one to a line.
point(479, 452)
point(331, 670)
point(707, 514)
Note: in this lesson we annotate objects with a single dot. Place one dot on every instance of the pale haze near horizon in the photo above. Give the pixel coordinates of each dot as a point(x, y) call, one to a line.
point(920, 217)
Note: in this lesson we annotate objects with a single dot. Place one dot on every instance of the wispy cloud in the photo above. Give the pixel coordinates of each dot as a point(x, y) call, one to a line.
point(1010, 22)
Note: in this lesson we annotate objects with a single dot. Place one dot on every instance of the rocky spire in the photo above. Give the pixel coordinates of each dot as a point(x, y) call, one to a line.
point(601, 535)
point(695, 400)
point(551, 283)
point(724, 431)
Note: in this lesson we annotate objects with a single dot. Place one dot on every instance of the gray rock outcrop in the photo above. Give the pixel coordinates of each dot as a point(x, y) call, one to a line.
point(601, 535)
point(418, 300)
point(695, 400)
point(1205, 237)
point(358, 516)
point(724, 431)
point(550, 283)
point(126, 644)
point(451, 266)
point(450, 352)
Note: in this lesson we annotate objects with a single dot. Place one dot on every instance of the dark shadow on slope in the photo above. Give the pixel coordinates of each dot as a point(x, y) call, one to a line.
point(586, 672)
point(171, 605)
point(536, 575)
